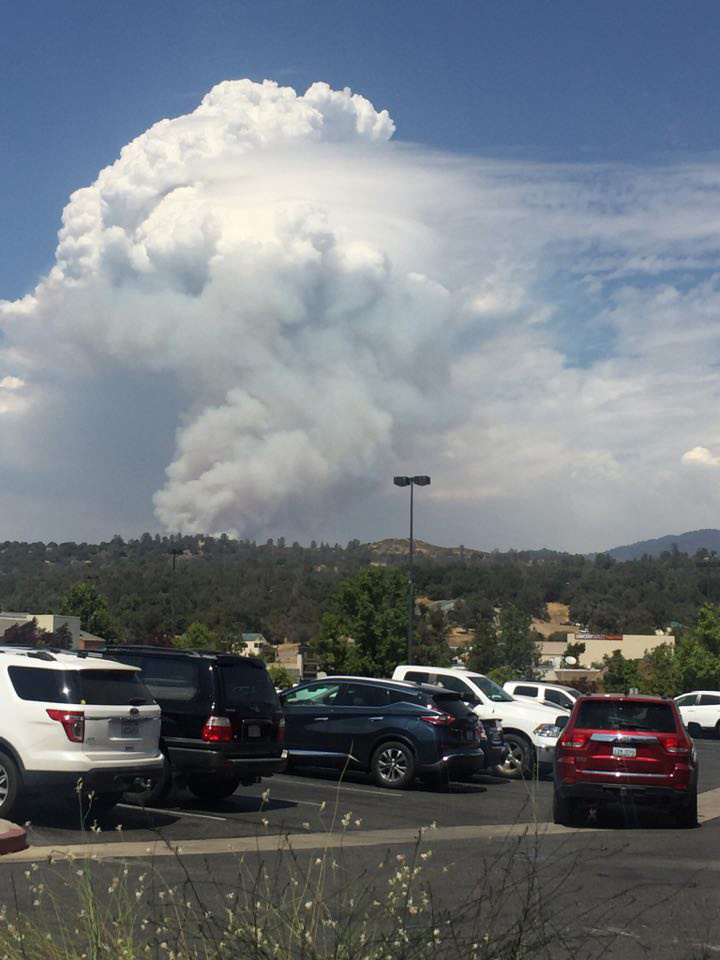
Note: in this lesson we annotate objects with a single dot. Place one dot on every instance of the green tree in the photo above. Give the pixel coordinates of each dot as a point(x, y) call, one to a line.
point(508, 644)
point(25, 635)
point(84, 600)
point(431, 638)
point(198, 636)
point(697, 667)
point(660, 672)
point(620, 674)
point(365, 631)
point(280, 676)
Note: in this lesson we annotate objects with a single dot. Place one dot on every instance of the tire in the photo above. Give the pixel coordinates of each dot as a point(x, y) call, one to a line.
point(393, 765)
point(564, 810)
point(518, 764)
point(686, 816)
point(695, 731)
point(12, 789)
point(156, 793)
point(102, 803)
point(212, 788)
point(717, 730)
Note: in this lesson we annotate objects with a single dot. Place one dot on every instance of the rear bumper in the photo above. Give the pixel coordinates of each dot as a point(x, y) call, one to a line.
point(451, 762)
point(186, 761)
point(652, 794)
point(100, 779)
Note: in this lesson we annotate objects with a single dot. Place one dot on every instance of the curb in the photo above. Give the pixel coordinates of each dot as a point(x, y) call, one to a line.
point(12, 838)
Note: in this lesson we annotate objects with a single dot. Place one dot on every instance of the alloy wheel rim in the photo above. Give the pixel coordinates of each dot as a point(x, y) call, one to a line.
point(514, 759)
point(392, 765)
point(4, 785)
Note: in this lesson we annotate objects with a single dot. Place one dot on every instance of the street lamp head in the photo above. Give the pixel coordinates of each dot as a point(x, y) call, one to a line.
point(402, 481)
point(421, 481)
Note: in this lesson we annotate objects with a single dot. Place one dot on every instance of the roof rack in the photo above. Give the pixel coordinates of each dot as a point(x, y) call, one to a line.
point(34, 652)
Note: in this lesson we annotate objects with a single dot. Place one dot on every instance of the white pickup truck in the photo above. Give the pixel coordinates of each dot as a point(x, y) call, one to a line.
point(530, 729)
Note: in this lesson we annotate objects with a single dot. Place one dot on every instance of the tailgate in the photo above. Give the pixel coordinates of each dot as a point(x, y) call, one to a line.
point(112, 732)
point(617, 753)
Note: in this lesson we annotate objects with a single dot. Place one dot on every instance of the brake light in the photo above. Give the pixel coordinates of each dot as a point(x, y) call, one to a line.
point(217, 730)
point(73, 722)
point(280, 730)
point(439, 719)
point(677, 745)
point(572, 741)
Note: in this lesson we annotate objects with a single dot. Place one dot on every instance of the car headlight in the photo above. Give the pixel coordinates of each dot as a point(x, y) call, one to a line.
point(549, 730)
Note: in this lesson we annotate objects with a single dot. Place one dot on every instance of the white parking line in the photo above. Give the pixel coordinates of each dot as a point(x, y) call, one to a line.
point(338, 787)
point(171, 810)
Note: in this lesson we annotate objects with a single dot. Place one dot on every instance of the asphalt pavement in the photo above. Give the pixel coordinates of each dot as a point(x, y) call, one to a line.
point(634, 883)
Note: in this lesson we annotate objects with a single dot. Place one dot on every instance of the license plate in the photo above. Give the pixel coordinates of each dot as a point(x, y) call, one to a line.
point(252, 730)
point(128, 728)
point(624, 752)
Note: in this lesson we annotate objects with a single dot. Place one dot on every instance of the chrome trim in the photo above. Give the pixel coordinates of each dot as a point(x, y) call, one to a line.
point(459, 756)
point(623, 738)
point(624, 773)
point(315, 753)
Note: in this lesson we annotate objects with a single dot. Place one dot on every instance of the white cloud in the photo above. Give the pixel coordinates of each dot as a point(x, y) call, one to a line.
point(318, 307)
point(702, 456)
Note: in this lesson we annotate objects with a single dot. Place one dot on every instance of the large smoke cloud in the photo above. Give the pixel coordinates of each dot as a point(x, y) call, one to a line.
point(333, 306)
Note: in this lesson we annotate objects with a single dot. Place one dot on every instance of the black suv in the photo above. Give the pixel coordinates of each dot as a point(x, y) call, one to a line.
point(393, 729)
point(222, 723)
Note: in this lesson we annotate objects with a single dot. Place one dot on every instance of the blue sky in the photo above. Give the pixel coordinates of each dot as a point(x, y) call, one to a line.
point(554, 181)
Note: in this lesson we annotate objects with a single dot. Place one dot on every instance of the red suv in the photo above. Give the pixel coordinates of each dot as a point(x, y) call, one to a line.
point(627, 750)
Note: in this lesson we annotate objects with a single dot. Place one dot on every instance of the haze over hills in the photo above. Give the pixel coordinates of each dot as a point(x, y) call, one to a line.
point(689, 543)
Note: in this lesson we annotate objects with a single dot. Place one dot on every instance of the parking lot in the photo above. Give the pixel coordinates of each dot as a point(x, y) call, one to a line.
point(639, 862)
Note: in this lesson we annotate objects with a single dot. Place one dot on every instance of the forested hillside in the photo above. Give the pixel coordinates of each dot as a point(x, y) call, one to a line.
point(166, 583)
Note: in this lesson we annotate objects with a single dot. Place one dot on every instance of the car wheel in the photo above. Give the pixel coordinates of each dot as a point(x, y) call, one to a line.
point(717, 730)
point(213, 788)
point(11, 786)
point(695, 731)
point(155, 793)
point(687, 815)
point(563, 810)
point(102, 802)
point(393, 765)
point(518, 763)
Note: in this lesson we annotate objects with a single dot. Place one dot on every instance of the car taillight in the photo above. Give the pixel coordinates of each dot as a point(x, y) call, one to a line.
point(572, 741)
point(677, 745)
point(439, 719)
point(217, 730)
point(73, 722)
point(280, 730)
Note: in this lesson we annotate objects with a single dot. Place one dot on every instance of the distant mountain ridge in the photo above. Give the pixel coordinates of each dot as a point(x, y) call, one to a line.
point(689, 543)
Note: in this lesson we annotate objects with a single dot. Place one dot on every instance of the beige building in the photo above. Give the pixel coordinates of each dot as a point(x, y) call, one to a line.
point(598, 645)
point(45, 621)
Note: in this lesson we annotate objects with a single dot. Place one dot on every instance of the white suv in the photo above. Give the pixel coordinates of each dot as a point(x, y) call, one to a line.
point(551, 694)
point(70, 719)
point(700, 711)
point(530, 729)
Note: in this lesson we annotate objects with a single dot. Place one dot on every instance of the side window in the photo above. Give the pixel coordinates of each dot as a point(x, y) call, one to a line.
point(687, 701)
point(710, 699)
point(361, 695)
point(418, 676)
point(451, 682)
point(168, 678)
point(316, 693)
point(34, 683)
point(522, 691)
point(400, 696)
point(562, 700)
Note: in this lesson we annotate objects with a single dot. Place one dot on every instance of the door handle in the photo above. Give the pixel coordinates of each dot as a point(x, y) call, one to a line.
point(376, 718)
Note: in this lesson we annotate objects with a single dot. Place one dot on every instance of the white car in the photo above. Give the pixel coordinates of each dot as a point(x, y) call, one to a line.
point(530, 729)
point(700, 711)
point(71, 722)
point(551, 694)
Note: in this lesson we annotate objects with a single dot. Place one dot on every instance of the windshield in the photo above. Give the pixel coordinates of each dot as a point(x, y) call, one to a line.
point(491, 690)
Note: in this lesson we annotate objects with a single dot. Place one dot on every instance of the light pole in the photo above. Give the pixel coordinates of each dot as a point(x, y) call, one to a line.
point(411, 482)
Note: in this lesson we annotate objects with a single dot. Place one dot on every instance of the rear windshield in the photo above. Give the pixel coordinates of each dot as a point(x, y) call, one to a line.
point(93, 687)
point(247, 683)
point(625, 715)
